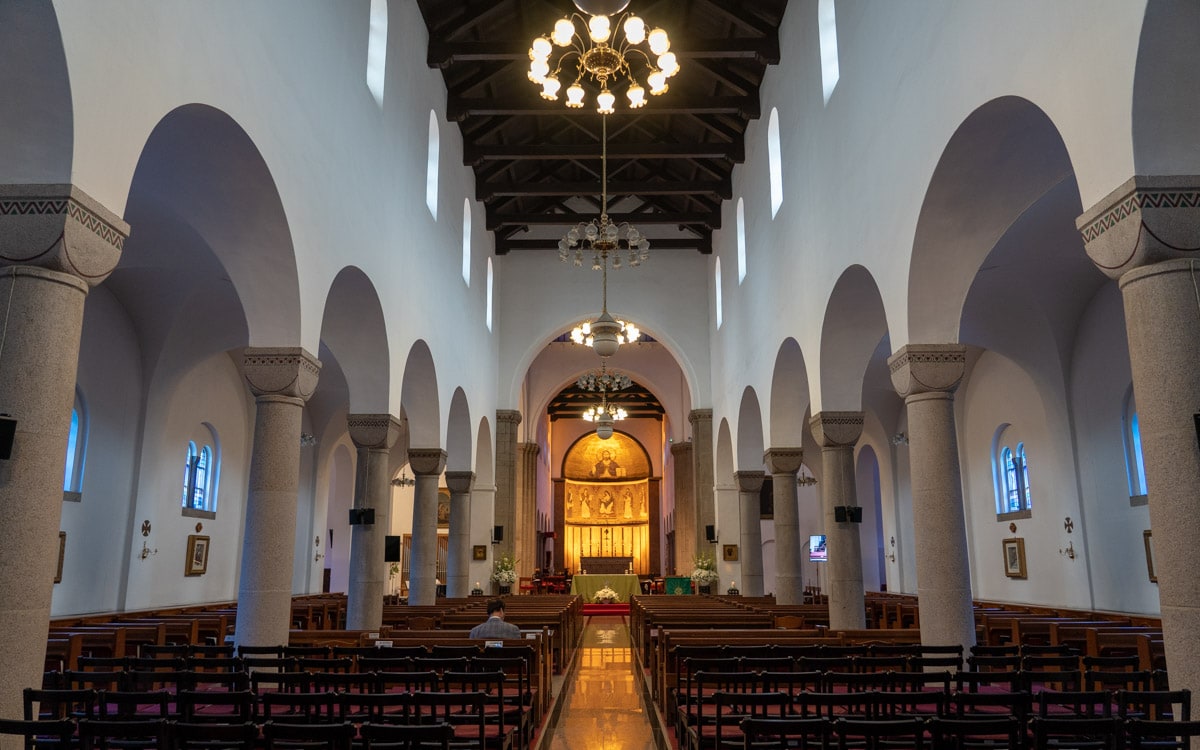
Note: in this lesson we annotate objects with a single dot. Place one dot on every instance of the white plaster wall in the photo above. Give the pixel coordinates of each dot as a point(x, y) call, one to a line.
point(96, 527)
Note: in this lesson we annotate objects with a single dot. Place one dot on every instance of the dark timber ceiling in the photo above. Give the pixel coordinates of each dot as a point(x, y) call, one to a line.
point(638, 403)
point(537, 163)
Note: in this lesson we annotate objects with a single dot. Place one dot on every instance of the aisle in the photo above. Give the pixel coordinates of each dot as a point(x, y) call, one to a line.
point(602, 705)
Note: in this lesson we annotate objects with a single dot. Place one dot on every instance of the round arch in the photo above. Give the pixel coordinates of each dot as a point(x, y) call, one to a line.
point(37, 132)
point(459, 448)
point(854, 324)
point(355, 332)
point(789, 396)
point(419, 398)
point(749, 432)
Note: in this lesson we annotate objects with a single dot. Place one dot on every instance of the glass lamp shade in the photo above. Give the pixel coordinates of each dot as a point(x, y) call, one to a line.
point(635, 30)
point(601, 7)
point(604, 426)
point(606, 335)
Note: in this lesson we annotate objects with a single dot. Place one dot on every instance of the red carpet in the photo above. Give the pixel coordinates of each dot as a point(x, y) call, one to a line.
point(606, 609)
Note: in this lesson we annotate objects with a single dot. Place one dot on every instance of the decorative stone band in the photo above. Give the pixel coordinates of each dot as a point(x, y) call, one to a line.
point(749, 481)
point(700, 415)
point(286, 371)
point(425, 461)
point(1146, 220)
point(783, 460)
point(509, 416)
point(836, 429)
point(459, 482)
point(927, 368)
point(60, 228)
point(378, 431)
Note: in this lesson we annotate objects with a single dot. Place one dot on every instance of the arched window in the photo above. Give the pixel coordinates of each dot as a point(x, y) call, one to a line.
point(488, 312)
point(775, 161)
point(717, 284)
point(201, 474)
point(1011, 475)
point(76, 451)
point(1135, 466)
point(431, 165)
point(377, 50)
point(827, 26)
point(741, 240)
point(466, 246)
point(189, 473)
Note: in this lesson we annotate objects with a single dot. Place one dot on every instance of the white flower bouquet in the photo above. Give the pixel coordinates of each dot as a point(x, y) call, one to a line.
point(606, 596)
point(705, 570)
point(504, 571)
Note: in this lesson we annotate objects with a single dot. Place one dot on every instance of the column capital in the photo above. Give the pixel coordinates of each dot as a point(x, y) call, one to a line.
point(508, 416)
point(1148, 219)
point(836, 429)
point(783, 460)
point(280, 371)
point(459, 482)
point(378, 431)
point(528, 448)
point(680, 449)
point(61, 228)
point(749, 481)
point(700, 415)
point(925, 368)
point(427, 460)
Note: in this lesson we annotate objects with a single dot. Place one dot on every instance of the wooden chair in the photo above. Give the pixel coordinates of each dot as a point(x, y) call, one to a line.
point(406, 736)
point(332, 736)
point(102, 735)
point(995, 733)
point(1161, 735)
point(130, 705)
point(789, 622)
point(209, 736)
point(376, 708)
point(300, 708)
point(466, 712)
point(877, 734)
point(1050, 733)
point(785, 734)
point(731, 708)
point(217, 706)
point(1072, 703)
point(52, 733)
point(1155, 705)
point(59, 704)
point(525, 585)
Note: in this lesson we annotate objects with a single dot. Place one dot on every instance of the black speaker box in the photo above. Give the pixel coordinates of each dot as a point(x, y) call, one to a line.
point(391, 549)
point(854, 512)
point(362, 516)
point(710, 533)
point(8, 432)
point(497, 534)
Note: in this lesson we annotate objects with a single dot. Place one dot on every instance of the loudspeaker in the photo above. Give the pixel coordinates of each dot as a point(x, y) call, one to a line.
point(710, 533)
point(8, 432)
point(362, 516)
point(391, 549)
point(497, 534)
point(839, 513)
point(854, 513)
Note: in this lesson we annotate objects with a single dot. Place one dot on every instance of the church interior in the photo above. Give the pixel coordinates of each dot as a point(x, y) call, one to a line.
point(872, 321)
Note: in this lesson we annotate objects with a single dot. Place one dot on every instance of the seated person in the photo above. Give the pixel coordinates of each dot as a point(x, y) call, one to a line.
point(495, 626)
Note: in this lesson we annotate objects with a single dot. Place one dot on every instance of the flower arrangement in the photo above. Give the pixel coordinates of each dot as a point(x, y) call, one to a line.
point(504, 571)
point(705, 570)
point(606, 596)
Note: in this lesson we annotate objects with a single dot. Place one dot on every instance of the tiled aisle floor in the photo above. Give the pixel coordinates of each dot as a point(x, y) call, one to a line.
point(602, 707)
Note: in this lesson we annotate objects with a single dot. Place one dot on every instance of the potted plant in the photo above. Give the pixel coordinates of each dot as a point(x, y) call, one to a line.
point(606, 596)
point(704, 573)
point(504, 573)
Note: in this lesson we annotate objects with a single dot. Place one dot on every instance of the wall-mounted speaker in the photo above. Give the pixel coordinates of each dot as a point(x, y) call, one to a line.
point(497, 534)
point(839, 513)
point(710, 533)
point(854, 513)
point(8, 434)
point(391, 549)
point(362, 516)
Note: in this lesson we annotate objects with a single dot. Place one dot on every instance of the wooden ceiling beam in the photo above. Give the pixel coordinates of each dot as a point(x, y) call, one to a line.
point(486, 191)
point(496, 219)
point(459, 109)
point(475, 154)
point(702, 244)
point(442, 54)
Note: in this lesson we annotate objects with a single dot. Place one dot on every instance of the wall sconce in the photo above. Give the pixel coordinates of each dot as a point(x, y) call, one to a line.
point(307, 440)
point(892, 556)
point(403, 481)
point(318, 557)
point(804, 479)
point(146, 551)
point(899, 439)
point(1069, 552)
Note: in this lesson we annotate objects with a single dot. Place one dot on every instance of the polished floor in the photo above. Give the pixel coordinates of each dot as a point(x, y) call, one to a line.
point(602, 707)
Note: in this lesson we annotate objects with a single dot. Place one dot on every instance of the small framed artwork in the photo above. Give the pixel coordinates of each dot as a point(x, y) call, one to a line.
point(479, 552)
point(1014, 558)
point(443, 510)
point(729, 552)
point(62, 550)
point(197, 556)
point(1146, 539)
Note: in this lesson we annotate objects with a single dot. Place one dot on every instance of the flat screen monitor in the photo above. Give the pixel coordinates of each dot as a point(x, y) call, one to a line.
point(816, 548)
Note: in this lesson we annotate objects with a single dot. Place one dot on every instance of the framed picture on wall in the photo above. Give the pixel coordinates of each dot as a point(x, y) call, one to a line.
point(479, 552)
point(1146, 540)
point(729, 552)
point(196, 563)
point(443, 509)
point(62, 550)
point(1014, 558)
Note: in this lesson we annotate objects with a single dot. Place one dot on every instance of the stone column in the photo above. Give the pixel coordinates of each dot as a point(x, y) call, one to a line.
point(702, 473)
point(1146, 234)
point(837, 432)
point(373, 436)
point(784, 464)
point(750, 537)
point(281, 380)
point(504, 511)
point(458, 562)
point(56, 243)
point(427, 465)
point(685, 508)
point(526, 543)
point(926, 375)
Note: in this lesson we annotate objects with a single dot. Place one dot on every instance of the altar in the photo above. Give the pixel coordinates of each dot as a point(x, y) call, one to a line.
point(605, 565)
point(624, 584)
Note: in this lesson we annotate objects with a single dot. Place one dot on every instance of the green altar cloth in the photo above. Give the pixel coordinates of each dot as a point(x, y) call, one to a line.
point(587, 585)
point(678, 585)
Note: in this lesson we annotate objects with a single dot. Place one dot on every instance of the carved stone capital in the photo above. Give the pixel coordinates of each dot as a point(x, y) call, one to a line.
point(836, 429)
point(378, 431)
point(284, 371)
point(529, 450)
point(700, 415)
point(681, 449)
point(926, 368)
point(508, 416)
point(749, 481)
point(459, 482)
point(1148, 219)
point(783, 460)
point(427, 460)
point(60, 228)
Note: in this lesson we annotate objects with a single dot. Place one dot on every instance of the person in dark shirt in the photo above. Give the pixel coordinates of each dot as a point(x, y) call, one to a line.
point(495, 626)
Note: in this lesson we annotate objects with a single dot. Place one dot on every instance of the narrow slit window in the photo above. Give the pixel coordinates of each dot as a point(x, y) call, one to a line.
point(775, 160)
point(717, 284)
point(827, 25)
point(377, 50)
point(431, 165)
point(741, 240)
